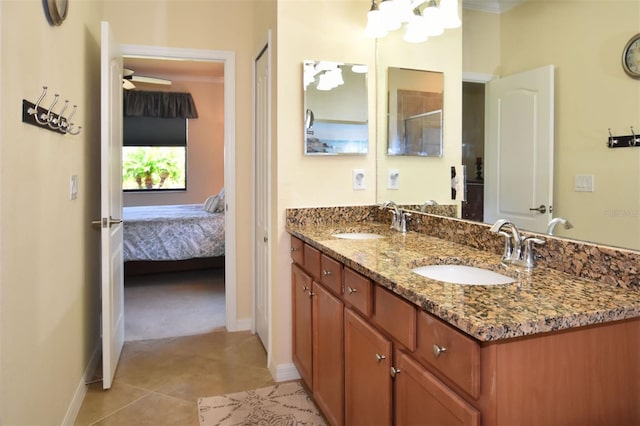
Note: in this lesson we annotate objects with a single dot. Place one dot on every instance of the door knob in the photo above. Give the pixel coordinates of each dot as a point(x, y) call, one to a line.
point(541, 209)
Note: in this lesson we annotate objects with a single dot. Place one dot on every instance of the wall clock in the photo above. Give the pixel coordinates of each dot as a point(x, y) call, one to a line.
point(55, 10)
point(631, 57)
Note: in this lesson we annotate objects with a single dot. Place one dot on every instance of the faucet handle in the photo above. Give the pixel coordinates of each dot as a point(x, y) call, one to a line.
point(404, 215)
point(528, 257)
point(507, 255)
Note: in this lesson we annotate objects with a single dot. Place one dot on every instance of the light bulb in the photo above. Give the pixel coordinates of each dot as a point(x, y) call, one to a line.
point(375, 24)
point(432, 19)
point(449, 14)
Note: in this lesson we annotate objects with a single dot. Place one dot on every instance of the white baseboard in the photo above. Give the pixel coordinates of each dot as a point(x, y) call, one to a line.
point(285, 372)
point(241, 324)
point(81, 390)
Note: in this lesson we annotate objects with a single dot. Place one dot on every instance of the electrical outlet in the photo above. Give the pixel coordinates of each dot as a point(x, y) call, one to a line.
point(73, 187)
point(393, 179)
point(359, 179)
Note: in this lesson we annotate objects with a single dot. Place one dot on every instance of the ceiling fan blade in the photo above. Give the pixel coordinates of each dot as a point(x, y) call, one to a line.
point(127, 84)
point(152, 80)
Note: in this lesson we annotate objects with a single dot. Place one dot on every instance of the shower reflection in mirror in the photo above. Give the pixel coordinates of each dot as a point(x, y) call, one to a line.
point(415, 112)
point(336, 108)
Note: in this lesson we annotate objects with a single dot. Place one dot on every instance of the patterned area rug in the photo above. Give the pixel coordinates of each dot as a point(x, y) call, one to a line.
point(282, 404)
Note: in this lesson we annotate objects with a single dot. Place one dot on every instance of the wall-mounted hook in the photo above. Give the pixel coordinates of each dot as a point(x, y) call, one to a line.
point(612, 142)
point(34, 110)
point(37, 115)
point(71, 132)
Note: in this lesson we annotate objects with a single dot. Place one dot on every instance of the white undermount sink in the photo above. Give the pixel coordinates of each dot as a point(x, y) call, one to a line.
point(461, 274)
point(358, 235)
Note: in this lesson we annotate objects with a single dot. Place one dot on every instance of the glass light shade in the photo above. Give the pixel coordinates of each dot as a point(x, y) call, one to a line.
point(432, 20)
point(389, 11)
point(324, 82)
point(404, 10)
point(449, 14)
point(415, 30)
point(375, 25)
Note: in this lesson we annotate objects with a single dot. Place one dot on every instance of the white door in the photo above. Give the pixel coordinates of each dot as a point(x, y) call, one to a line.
point(519, 149)
point(111, 205)
point(261, 196)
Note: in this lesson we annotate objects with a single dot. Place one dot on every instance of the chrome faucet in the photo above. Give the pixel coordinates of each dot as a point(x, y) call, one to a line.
point(518, 250)
point(427, 204)
point(558, 220)
point(513, 243)
point(399, 218)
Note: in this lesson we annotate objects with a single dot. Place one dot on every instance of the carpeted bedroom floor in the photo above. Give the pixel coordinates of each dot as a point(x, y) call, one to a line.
point(174, 304)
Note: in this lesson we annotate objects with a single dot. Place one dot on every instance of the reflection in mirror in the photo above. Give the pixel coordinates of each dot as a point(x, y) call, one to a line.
point(537, 33)
point(415, 112)
point(335, 105)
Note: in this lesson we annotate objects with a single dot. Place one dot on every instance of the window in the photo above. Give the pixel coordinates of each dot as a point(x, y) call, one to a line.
point(154, 154)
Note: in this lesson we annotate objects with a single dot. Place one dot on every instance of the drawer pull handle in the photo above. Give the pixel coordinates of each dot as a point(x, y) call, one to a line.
point(325, 272)
point(394, 371)
point(438, 350)
point(379, 357)
point(352, 290)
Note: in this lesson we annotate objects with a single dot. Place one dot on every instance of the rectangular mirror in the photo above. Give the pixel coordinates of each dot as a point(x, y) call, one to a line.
point(415, 102)
point(336, 108)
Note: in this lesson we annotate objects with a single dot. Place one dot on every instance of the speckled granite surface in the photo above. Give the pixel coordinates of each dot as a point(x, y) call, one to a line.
point(539, 301)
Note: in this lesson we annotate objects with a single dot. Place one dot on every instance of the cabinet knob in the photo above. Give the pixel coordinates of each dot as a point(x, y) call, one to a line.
point(293, 249)
point(311, 294)
point(379, 357)
point(394, 371)
point(438, 350)
point(351, 290)
point(325, 272)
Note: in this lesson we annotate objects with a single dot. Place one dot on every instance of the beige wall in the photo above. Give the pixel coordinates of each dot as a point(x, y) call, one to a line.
point(205, 148)
point(584, 40)
point(49, 281)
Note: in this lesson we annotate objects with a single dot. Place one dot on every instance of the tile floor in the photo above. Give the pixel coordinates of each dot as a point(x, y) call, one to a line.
point(159, 381)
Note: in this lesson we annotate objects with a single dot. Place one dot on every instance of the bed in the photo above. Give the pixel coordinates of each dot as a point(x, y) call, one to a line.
point(172, 233)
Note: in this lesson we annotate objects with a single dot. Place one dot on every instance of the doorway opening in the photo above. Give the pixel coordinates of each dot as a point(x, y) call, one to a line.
point(188, 296)
point(473, 105)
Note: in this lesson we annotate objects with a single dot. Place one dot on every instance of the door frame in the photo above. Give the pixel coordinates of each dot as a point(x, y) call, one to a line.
point(228, 58)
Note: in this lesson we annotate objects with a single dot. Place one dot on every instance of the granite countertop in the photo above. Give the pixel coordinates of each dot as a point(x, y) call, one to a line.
point(540, 300)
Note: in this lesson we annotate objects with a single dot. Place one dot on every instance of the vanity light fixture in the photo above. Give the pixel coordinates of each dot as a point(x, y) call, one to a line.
point(421, 18)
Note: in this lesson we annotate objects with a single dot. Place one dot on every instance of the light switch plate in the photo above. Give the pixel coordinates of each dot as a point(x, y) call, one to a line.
point(583, 183)
point(73, 187)
point(359, 179)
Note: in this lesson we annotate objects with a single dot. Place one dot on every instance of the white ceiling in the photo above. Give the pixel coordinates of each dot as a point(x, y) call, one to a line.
point(176, 69)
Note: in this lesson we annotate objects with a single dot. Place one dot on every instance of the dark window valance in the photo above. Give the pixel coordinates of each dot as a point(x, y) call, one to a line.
point(139, 103)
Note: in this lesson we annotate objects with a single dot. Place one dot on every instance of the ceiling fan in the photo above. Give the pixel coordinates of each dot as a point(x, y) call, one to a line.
point(128, 77)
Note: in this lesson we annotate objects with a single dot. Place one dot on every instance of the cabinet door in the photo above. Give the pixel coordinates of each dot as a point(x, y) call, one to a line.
point(368, 385)
point(328, 354)
point(302, 338)
point(421, 399)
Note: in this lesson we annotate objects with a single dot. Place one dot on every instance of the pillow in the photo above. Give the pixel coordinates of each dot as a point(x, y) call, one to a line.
point(219, 207)
point(211, 203)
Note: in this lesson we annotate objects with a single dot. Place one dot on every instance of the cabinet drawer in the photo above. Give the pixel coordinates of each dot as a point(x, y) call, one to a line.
point(396, 316)
point(357, 291)
point(312, 261)
point(297, 251)
point(451, 352)
point(331, 274)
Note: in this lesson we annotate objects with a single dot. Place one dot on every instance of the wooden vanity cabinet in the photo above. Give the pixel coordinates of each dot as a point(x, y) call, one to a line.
point(301, 291)
point(318, 328)
point(368, 383)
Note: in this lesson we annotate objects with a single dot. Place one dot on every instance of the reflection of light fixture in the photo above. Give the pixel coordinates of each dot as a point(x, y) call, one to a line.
point(359, 69)
point(327, 75)
point(420, 21)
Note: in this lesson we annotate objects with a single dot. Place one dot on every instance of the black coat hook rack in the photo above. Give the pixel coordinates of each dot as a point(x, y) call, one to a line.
point(623, 141)
point(44, 118)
